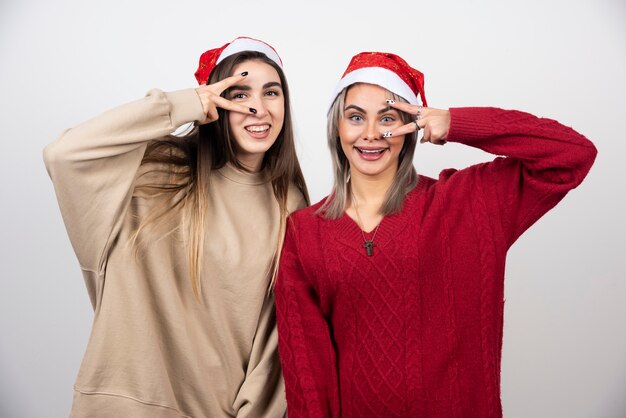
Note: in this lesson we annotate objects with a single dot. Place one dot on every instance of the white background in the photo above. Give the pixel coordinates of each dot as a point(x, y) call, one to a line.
point(64, 61)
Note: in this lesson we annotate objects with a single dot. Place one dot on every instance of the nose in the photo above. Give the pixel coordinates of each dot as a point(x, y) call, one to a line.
point(261, 109)
point(372, 133)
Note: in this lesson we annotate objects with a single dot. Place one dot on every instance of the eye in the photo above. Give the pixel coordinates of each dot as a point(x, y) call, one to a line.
point(388, 119)
point(355, 117)
point(238, 96)
point(274, 93)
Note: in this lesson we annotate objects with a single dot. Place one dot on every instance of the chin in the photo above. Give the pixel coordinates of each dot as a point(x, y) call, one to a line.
point(370, 169)
point(367, 172)
point(256, 146)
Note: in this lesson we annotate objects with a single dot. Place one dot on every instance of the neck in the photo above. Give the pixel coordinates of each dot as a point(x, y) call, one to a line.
point(371, 191)
point(252, 163)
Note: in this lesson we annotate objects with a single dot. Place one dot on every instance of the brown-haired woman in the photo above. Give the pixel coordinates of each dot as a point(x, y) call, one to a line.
point(178, 239)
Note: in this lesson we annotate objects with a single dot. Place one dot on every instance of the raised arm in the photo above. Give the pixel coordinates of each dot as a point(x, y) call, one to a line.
point(542, 159)
point(307, 354)
point(93, 168)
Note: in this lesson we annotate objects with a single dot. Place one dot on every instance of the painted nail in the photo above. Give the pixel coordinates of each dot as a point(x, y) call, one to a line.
point(387, 134)
point(252, 110)
point(390, 101)
point(245, 73)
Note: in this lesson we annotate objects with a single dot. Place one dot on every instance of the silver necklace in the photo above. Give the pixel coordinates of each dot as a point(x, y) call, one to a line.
point(368, 244)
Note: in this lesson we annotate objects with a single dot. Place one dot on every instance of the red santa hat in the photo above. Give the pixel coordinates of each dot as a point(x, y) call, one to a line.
point(212, 57)
point(386, 70)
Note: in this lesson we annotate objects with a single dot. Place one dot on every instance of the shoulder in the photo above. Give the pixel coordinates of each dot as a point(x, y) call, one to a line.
point(307, 218)
point(295, 199)
point(449, 181)
point(308, 214)
point(304, 225)
point(460, 185)
point(450, 177)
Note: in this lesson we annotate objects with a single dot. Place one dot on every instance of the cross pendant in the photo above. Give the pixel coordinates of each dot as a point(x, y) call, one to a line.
point(369, 247)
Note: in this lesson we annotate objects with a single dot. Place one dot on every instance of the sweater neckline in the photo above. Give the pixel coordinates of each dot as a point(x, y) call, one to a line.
point(348, 232)
point(232, 173)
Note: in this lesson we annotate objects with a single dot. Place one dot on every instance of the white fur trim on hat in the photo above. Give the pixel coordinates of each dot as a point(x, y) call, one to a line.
point(381, 77)
point(248, 44)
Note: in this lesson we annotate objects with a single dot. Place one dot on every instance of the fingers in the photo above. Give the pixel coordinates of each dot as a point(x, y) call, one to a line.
point(211, 115)
point(233, 107)
point(431, 137)
point(210, 96)
point(427, 117)
point(429, 126)
point(406, 107)
point(421, 119)
point(409, 128)
point(222, 85)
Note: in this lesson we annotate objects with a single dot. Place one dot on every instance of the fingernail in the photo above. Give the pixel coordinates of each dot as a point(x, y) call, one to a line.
point(389, 101)
point(245, 73)
point(252, 110)
point(387, 134)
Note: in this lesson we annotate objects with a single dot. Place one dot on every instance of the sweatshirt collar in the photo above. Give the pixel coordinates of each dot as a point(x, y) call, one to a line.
point(236, 175)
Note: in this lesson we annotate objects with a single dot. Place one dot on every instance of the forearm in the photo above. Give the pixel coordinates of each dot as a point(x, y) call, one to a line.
point(542, 145)
point(122, 129)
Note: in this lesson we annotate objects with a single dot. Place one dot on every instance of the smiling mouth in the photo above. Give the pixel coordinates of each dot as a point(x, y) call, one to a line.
point(369, 151)
point(257, 129)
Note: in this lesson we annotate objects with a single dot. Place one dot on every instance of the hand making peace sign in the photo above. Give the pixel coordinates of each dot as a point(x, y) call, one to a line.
point(210, 97)
point(434, 122)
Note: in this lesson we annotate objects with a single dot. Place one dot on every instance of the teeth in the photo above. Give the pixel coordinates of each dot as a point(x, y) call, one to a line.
point(258, 128)
point(371, 151)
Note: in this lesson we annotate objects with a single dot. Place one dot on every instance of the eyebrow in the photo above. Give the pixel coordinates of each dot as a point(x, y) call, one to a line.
point(355, 107)
point(272, 84)
point(359, 109)
point(265, 86)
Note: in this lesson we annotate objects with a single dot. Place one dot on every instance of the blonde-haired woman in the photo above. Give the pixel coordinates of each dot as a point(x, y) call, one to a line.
point(178, 240)
point(390, 291)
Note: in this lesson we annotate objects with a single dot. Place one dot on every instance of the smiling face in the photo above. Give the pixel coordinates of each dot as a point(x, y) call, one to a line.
point(254, 134)
point(366, 116)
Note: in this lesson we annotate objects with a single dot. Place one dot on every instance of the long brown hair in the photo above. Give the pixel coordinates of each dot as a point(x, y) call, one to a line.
point(404, 181)
point(189, 162)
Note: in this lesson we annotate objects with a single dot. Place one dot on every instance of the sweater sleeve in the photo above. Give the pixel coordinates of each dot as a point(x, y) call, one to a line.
point(307, 354)
point(93, 168)
point(542, 160)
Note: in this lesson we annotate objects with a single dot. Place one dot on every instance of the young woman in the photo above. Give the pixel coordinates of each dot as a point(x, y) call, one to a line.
point(178, 239)
point(390, 291)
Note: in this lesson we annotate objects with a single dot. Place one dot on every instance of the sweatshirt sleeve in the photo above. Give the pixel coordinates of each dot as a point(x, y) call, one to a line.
point(541, 161)
point(93, 167)
point(307, 354)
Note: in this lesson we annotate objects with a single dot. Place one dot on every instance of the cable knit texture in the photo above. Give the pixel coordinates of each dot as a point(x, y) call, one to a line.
point(416, 329)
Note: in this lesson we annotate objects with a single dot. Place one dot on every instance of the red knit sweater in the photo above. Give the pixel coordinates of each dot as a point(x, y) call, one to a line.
point(416, 329)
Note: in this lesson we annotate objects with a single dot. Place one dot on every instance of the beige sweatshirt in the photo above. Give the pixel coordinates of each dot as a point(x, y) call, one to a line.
point(155, 351)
